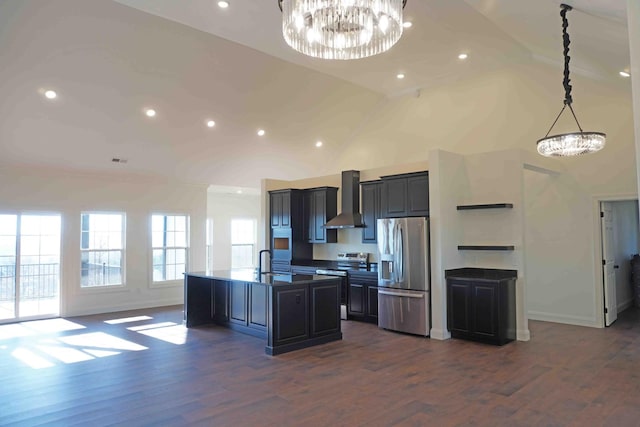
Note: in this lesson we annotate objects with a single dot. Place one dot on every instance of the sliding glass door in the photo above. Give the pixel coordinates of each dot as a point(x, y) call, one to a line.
point(29, 266)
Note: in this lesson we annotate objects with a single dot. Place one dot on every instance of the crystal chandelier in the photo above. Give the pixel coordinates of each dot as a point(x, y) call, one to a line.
point(575, 143)
point(341, 29)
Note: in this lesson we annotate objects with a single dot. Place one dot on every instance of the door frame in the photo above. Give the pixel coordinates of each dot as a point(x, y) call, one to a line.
point(597, 252)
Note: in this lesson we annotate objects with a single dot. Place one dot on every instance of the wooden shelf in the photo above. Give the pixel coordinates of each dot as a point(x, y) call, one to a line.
point(487, 206)
point(486, 248)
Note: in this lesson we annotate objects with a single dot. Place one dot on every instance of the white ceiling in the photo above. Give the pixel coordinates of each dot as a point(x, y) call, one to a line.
point(192, 61)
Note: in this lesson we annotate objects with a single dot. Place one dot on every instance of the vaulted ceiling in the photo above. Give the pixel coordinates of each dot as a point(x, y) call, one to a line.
point(193, 62)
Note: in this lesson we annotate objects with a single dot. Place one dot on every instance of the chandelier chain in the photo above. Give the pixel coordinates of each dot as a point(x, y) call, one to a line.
point(566, 42)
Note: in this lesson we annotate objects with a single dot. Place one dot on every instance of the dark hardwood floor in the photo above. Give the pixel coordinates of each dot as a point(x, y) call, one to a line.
point(164, 375)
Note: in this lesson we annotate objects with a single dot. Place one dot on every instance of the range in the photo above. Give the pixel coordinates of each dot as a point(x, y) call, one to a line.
point(346, 261)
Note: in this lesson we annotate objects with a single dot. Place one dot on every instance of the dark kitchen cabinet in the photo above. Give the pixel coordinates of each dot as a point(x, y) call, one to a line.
point(198, 298)
point(319, 206)
point(371, 210)
point(363, 297)
point(291, 322)
point(286, 210)
point(325, 310)
point(481, 305)
point(258, 307)
point(238, 293)
point(220, 305)
point(405, 195)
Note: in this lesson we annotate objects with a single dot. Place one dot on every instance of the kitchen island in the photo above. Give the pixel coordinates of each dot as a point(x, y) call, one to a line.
point(291, 311)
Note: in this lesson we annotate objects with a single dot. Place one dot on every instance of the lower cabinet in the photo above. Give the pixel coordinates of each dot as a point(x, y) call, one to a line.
point(482, 310)
point(363, 298)
point(220, 304)
point(291, 315)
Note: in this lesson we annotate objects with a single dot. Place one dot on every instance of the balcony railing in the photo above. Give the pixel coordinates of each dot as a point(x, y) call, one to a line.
point(37, 281)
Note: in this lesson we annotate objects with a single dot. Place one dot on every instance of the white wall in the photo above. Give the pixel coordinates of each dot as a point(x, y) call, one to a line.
point(26, 190)
point(625, 215)
point(222, 208)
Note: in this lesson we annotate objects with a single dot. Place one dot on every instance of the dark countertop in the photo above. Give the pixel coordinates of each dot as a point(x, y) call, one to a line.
point(483, 274)
point(333, 265)
point(269, 279)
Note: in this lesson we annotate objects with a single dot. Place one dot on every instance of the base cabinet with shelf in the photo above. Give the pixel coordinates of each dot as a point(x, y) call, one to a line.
point(481, 304)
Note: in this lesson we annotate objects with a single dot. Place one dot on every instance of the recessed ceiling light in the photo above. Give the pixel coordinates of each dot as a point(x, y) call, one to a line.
point(150, 112)
point(625, 74)
point(50, 94)
point(319, 144)
point(261, 132)
point(223, 4)
point(407, 24)
point(239, 192)
point(400, 76)
point(211, 123)
point(463, 56)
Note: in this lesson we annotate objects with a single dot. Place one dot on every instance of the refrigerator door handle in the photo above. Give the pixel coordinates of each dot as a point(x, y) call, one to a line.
point(400, 254)
point(398, 294)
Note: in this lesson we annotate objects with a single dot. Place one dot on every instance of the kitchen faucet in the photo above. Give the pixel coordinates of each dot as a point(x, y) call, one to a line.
point(260, 260)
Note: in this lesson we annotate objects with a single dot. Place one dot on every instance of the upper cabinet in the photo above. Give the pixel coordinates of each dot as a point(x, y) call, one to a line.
point(286, 210)
point(405, 195)
point(319, 206)
point(371, 209)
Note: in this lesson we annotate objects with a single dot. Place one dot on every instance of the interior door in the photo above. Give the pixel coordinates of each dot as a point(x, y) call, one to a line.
point(608, 263)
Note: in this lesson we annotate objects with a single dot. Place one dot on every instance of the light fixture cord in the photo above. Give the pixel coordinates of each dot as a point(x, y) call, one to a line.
point(566, 82)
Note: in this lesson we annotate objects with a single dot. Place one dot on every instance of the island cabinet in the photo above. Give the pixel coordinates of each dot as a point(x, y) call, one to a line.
point(405, 195)
point(289, 311)
point(319, 206)
point(371, 210)
point(363, 296)
point(481, 304)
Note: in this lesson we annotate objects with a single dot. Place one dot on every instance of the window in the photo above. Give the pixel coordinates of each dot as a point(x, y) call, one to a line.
point(101, 249)
point(169, 242)
point(243, 240)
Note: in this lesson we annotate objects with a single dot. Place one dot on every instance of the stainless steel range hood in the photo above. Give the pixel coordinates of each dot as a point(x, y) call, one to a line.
point(350, 216)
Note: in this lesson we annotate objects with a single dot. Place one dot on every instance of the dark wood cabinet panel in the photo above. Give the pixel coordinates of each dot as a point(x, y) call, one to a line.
point(258, 306)
point(405, 195)
point(220, 312)
point(198, 297)
point(371, 210)
point(319, 206)
point(291, 322)
point(238, 302)
point(363, 297)
point(325, 312)
point(482, 309)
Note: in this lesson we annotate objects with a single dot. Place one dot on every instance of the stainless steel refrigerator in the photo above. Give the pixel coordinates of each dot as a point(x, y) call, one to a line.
point(403, 275)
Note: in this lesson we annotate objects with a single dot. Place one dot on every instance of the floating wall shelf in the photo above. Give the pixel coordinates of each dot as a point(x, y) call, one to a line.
point(487, 206)
point(486, 248)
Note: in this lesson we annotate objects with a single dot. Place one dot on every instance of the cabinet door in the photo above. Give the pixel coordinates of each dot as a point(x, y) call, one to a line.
point(276, 209)
point(238, 302)
point(372, 303)
point(308, 220)
point(418, 195)
point(319, 216)
point(394, 197)
point(220, 311)
point(485, 310)
point(291, 322)
point(325, 309)
point(371, 194)
point(357, 299)
point(459, 307)
point(258, 306)
point(285, 216)
point(198, 300)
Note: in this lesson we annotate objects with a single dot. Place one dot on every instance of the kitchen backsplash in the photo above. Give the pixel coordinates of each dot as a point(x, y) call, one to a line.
point(349, 240)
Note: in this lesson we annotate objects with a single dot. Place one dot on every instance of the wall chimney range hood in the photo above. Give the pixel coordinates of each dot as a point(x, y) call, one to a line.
point(350, 216)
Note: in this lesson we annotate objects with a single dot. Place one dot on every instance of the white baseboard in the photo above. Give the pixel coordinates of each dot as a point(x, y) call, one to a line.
point(564, 318)
point(523, 335)
point(624, 305)
point(125, 307)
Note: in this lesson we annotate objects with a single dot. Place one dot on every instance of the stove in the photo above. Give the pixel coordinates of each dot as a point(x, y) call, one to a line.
point(346, 261)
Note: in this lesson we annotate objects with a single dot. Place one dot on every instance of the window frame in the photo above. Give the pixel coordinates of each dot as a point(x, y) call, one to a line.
point(253, 244)
point(123, 254)
point(171, 282)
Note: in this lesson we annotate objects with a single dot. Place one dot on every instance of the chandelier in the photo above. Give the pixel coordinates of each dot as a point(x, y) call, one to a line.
point(341, 29)
point(575, 143)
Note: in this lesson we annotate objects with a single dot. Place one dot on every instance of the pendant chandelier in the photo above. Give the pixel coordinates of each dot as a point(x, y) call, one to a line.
point(575, 143)
point(341, 29)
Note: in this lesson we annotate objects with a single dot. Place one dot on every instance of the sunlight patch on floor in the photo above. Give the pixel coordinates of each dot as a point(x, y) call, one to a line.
point(172, 334)
point(31, 359)
point(151, 326)
point(128, 320)
point(64, 354)
point(101, 340)
point(52, 325)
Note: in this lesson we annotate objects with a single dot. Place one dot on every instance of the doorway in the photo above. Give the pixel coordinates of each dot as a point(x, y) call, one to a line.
point(29, 266)
point(620, 240)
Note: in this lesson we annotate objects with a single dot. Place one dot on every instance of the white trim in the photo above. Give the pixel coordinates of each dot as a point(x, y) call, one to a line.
point(126, 307)
point(439, 334)
point(591, 322)
point(624, 305)
point(523, 334)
